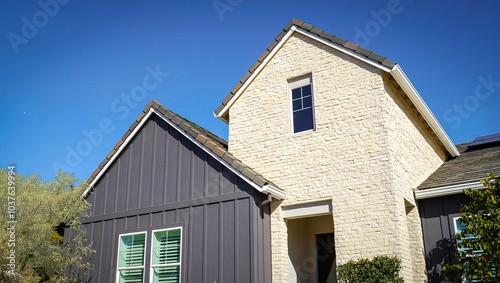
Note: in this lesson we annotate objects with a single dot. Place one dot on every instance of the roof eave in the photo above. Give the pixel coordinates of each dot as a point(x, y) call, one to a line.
point(395, 71)
point(446, 190)
point(424, 110)
point(221, 112)
point(265, 188)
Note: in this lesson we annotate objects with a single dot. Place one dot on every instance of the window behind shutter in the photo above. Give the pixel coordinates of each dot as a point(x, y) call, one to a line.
point(131, 258)
point(460, 228)
point(166, 256)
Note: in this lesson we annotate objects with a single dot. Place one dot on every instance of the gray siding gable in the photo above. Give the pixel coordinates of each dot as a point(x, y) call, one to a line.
point(160, 167)
point(162, 179)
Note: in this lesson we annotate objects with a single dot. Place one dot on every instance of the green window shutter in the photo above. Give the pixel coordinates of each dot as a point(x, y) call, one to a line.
point(169, 274)
point(167, 247)
point(132, 249)
point(131, 276)
point(166, 256)
point(461, 227)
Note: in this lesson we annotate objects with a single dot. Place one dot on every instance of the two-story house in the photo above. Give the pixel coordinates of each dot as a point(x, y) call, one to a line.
point(327, 142)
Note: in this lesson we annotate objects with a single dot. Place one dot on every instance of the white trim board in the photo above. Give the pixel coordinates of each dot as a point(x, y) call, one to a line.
point(396, 72)
point(267, 189)
point(255, 74)
point(117, 153)
point(321, 207)
point(419, 103)
point(447, 190)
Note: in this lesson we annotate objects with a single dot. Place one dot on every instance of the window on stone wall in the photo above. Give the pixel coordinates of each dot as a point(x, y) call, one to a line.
point(302, 104)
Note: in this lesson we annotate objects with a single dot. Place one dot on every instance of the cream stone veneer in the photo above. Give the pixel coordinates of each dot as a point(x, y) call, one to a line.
point(368, 152)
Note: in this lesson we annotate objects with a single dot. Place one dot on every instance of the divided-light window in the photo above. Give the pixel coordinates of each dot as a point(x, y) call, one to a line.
point(165, 261)
point(302, 104)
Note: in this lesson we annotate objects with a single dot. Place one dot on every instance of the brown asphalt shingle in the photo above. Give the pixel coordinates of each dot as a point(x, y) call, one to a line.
point(470, 166)
point(209, 140)
point(330, 37)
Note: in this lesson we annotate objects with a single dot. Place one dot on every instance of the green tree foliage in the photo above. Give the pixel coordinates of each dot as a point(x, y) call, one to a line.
point(42, 209)
point(482, 232)
point(381, 269)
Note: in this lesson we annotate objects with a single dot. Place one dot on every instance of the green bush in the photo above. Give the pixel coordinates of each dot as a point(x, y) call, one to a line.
point(379, 269)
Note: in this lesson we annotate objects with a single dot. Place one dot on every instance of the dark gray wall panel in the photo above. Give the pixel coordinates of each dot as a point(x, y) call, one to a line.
point(131, 222)
point(157, 218)
point(243, 240)
point(134, 172)
point(164, 180)
point(438, 230)
point(228, 242)
point(212, 243)
point(196, 244)
point(199, 181)
point(111, 189)
point(100, 197)
point(184, 187)
point(146, 166)
point(159, 165)
point(149, 173)
point(172, 165)
point(122, 181)
point(228, 181)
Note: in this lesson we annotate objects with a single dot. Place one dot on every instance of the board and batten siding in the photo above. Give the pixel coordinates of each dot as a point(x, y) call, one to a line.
point(164, 180)
point(438, 230)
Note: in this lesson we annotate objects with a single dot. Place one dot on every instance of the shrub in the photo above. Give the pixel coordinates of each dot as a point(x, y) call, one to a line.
point(379, 269)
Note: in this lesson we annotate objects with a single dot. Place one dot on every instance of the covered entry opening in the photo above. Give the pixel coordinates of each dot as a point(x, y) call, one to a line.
point(311, 248)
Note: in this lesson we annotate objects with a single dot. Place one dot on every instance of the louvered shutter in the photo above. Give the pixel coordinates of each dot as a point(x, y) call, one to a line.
point(166, 256)
point(131, 254)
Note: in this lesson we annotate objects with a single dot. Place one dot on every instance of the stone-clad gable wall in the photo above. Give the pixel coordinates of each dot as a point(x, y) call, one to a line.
point(415, 155)
point(350, 157)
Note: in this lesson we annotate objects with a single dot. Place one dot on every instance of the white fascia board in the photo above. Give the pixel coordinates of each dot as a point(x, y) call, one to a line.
point(268, 189)
point(254, 75)
point(447, 190)
point(117, 153)
point(419, 103)
point(343, 49)
point(211, 153)
point(277, 48)
point(277, 193)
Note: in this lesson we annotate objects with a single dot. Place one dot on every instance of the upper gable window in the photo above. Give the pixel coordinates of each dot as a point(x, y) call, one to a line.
point(302, 104)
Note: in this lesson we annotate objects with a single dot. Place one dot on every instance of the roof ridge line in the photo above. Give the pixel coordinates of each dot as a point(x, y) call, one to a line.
point(309, 28)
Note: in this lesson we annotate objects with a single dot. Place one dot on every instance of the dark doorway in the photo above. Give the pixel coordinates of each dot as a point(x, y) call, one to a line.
point(326, 258)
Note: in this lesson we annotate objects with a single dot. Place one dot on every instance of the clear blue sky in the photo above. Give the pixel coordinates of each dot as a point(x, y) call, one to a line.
point(65, 65)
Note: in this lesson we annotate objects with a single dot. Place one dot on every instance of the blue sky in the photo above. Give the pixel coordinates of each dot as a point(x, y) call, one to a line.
point(67, 68)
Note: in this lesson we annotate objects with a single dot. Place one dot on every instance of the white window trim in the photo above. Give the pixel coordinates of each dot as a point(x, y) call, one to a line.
point(166, 264)
point(294, 83)
point(118, 268)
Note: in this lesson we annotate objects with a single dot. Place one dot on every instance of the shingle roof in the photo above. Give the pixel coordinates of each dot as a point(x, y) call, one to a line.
point(209, 140)
point(472, 165)
point(330, 37)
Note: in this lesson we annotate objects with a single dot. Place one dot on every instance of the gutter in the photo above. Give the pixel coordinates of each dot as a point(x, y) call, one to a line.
point(423, 109)
point(447, 190)
point(396, 72)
